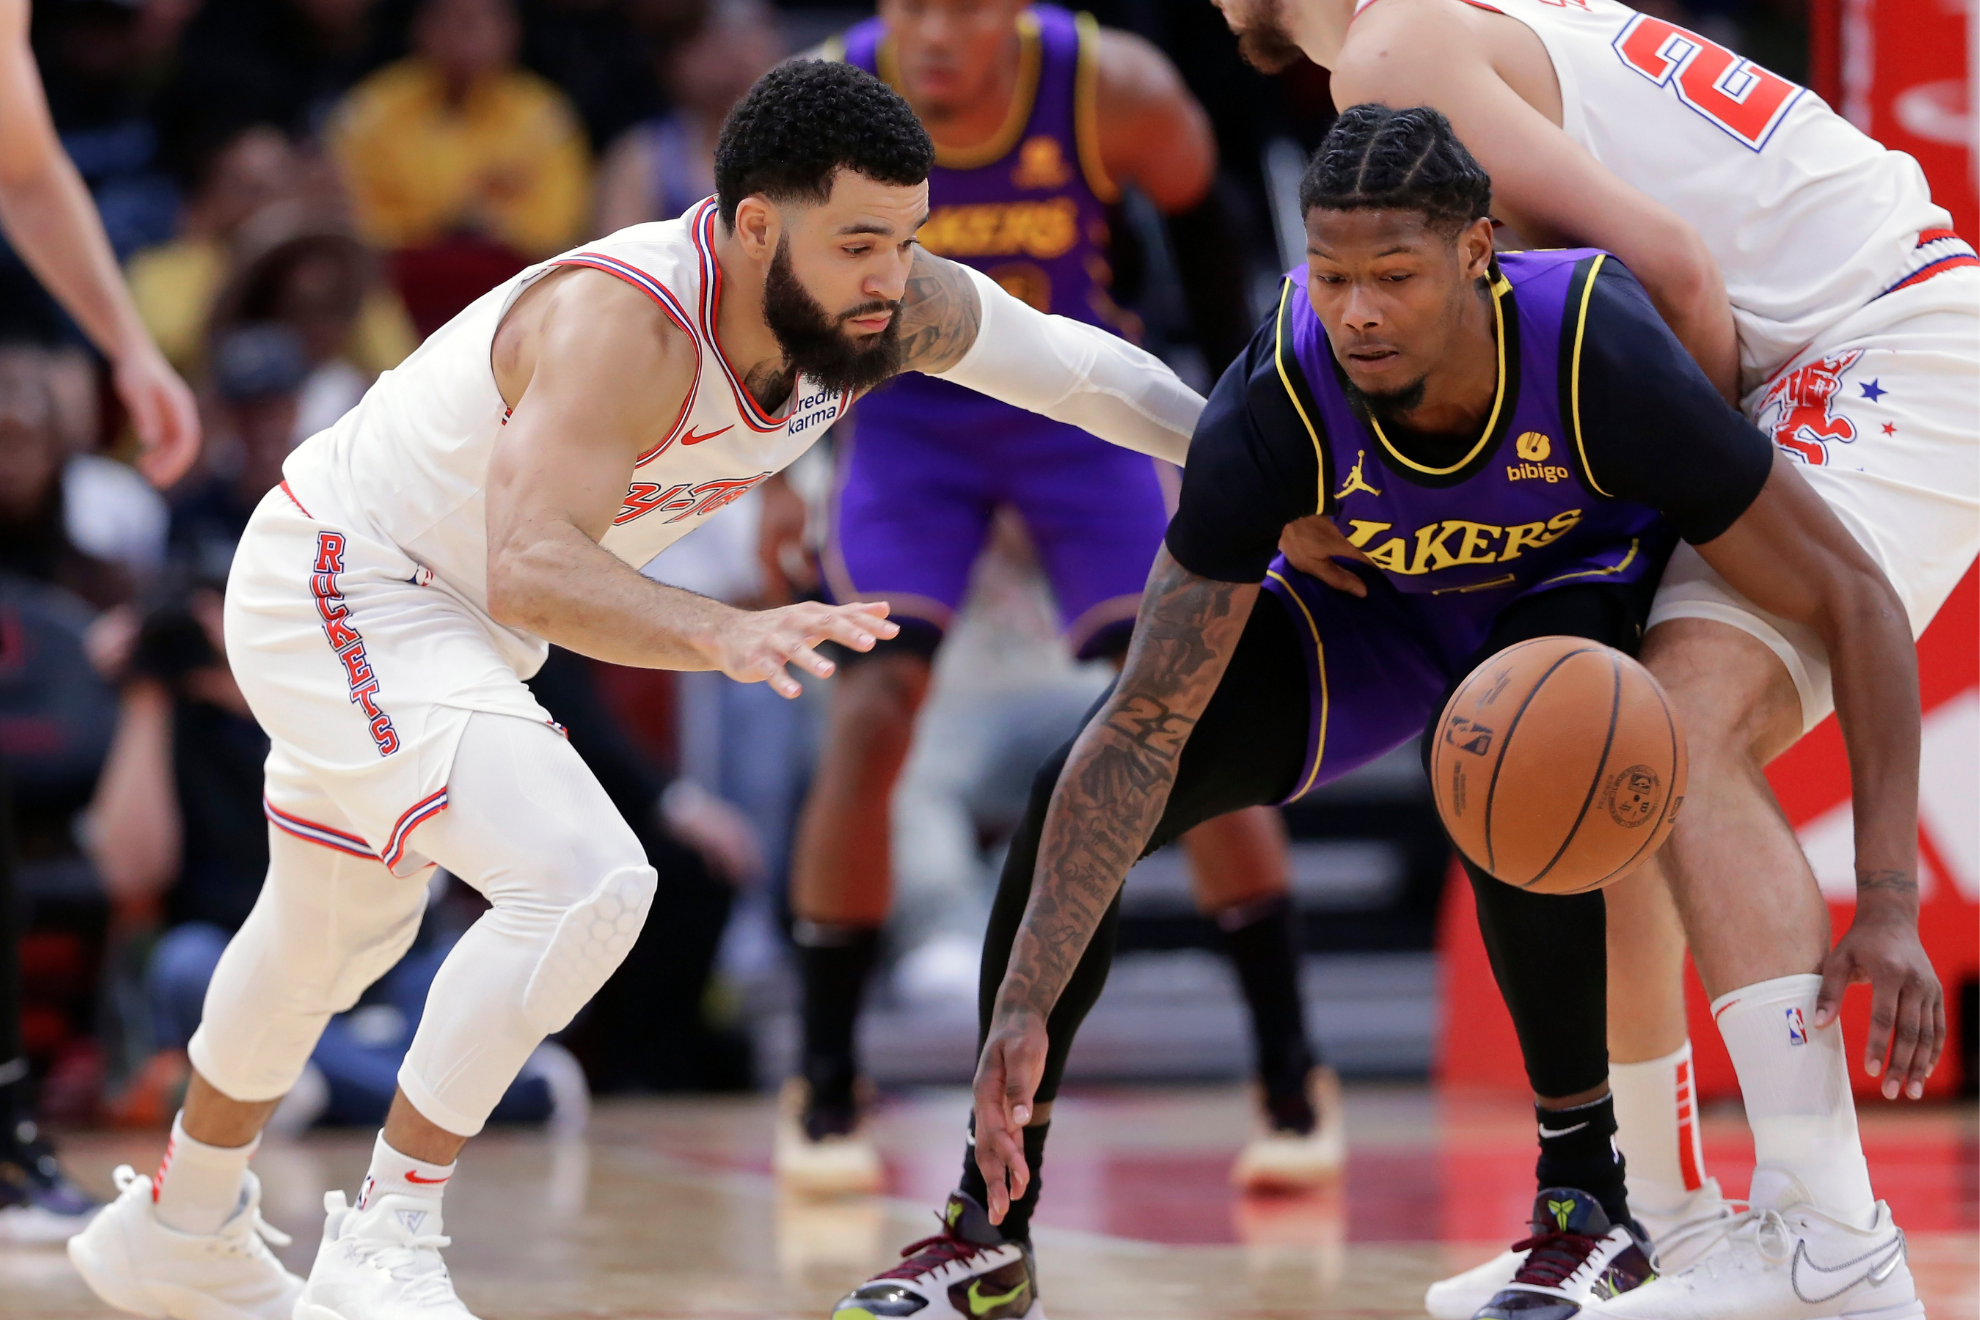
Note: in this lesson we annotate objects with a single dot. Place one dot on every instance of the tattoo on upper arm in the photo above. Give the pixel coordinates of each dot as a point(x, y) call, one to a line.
point(1115, 786)
point(939, 314)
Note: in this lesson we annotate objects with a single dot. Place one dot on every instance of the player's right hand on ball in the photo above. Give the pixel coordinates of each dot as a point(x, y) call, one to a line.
point(1007, 1077)
point(757, 644)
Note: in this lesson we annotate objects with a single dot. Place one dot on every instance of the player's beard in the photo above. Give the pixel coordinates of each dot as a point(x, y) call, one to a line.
point(815, 341)
point(1388, 407)
point(1263, 37)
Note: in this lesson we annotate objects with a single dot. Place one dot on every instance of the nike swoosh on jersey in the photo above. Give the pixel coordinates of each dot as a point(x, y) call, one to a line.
point(1892, 1252)
point(1546, 1131)
point(692, 439)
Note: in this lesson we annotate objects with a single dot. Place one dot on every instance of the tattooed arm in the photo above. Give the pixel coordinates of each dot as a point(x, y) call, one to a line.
point(1108, 801)
point(959, 324)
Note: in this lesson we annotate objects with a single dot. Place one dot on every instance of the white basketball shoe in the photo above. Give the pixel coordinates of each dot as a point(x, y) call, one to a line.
point(381, 1263)
point(822, 1163)
point(1679, 1236)
point(1793, 1262)
point(1284, 1159)
point(139, 1265)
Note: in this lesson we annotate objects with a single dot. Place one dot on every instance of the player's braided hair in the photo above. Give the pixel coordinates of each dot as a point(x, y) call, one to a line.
point(804, 121)
point(1375, 158)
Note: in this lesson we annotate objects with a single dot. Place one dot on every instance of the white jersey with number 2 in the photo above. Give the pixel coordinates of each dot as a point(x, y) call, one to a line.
point(1808, 218)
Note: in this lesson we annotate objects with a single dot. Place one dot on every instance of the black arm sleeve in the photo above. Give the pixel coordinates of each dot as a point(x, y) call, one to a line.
point(1653, 430)
point(1210, 263)
point(1253, 468)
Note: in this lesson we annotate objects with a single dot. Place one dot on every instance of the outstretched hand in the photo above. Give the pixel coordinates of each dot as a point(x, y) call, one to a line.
point(1907, 1003)
point(757, 644)
point(162, 413)
point(1007, 1078)
point(1312, 545)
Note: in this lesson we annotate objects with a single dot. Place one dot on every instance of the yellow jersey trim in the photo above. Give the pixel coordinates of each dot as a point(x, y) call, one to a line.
point(1086, 111)
point(1499, 290)
point(1627, 560)
point(1024, 96)
point(1279, 361)
point(1320, 658)
point(1574, 372)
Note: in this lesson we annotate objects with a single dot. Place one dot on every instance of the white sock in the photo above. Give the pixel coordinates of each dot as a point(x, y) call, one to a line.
point(393, 1174)
point(1657, 1129)
point(198, 1187)
point(1796, 1084)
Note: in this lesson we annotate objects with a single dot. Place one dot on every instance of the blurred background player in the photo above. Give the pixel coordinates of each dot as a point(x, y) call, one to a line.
point(51, 222)
point(1040, 120)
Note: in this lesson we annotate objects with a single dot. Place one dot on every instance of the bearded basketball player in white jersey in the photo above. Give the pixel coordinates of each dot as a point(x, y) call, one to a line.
point(495, 494)
point(1806, 269)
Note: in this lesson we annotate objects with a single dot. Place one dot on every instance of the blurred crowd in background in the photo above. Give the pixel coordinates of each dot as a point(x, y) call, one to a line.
point(300, 190)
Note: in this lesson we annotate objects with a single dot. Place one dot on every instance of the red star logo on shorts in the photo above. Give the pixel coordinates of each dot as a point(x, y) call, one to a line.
point(1890, 428)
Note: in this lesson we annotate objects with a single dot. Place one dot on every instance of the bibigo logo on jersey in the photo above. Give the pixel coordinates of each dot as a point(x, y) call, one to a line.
point(1799, 411)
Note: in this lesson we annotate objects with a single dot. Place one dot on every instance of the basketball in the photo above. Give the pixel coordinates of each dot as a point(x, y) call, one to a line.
point(1558, 765)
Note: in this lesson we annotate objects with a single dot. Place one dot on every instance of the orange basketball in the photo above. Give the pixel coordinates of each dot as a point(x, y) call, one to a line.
point(1558, 765)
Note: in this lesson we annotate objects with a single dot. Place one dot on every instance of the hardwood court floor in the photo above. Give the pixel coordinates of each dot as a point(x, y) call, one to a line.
point(666, 1209)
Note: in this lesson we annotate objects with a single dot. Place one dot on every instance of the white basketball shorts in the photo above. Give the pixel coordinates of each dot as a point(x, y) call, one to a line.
point(1883, 413)
point(363, 672)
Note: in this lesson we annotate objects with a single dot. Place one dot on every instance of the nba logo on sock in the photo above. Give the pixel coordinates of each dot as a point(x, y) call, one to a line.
point(1797, 1029)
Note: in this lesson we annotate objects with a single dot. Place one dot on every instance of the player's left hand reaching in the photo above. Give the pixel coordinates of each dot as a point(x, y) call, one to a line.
point(162, 412)
point(1007, 1077)
point(1907, 1003)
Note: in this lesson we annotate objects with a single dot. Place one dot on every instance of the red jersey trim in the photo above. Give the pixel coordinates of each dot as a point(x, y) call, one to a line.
point(668, 303)
point(415, 816)
point(311, 832)
point(703, 229)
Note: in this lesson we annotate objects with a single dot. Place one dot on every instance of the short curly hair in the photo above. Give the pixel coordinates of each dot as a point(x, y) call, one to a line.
point(805, 121)
point(1378, 159)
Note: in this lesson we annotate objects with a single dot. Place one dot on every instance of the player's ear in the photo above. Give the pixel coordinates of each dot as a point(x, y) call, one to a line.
point(758, 227)
point(1475, 248)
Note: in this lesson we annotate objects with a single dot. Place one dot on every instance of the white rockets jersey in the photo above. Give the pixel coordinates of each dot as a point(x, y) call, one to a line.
point(409, 464)
point(1808, 217)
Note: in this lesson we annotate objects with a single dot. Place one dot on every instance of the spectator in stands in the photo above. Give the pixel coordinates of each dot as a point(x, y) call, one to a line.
point(281, 62)
point(300, 269)
point(596, 52)
point(658, 169)
point(460, 161)
point(108, 510)
point(175, 283)
point(257, 378)
point(34, 537)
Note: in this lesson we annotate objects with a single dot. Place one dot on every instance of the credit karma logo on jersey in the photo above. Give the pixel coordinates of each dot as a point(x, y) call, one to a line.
point(685, 499)
point(1454, 542)
point(345, 640)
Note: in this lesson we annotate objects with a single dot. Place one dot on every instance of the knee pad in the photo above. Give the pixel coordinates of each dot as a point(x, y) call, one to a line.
point(590, 942)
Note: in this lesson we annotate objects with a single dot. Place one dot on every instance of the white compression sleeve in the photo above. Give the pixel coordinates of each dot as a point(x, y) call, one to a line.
point(1076, 373)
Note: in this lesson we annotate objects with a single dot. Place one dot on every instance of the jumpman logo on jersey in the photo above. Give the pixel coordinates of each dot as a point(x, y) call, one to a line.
point(1355, 481)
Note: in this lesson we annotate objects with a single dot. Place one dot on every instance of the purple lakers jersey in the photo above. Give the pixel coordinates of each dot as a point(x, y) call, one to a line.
point(1028, 208)
point(1513, 508)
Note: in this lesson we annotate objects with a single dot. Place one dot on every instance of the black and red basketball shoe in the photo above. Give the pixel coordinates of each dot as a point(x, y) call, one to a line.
point(968, 1269)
